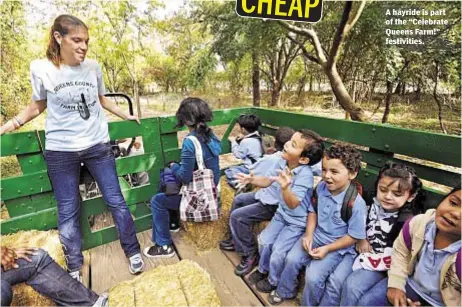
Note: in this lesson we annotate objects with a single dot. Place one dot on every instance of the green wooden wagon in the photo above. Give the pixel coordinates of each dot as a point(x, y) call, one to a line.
point(31, 205)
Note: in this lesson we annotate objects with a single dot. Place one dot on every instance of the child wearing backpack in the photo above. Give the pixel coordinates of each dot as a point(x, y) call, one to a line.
point(253, 207)
point(247, 146)
point(285, 185)
point(426, 260)
point(330, 234)
point(398, 197)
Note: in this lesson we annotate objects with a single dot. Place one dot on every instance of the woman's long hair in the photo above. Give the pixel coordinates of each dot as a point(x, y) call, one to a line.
point(62, 24)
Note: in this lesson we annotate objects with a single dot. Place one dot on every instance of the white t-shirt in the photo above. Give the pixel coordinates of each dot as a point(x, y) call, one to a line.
point(75, 118)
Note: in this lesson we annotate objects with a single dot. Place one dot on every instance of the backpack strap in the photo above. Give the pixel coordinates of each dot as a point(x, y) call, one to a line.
point(314, 200)
point(198, 148)
point(352, 192)
point(407, 234)
point(257, 136)
point(458, 259)
point(408, 241)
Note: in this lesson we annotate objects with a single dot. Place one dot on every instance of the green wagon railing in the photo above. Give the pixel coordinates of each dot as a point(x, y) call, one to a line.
point(31, 205)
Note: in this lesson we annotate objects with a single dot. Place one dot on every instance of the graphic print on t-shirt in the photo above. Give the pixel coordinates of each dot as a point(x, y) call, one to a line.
point(76, 96)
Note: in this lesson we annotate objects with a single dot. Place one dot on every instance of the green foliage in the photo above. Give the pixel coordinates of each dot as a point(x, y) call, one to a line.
point(201, 64)
point(14, 59)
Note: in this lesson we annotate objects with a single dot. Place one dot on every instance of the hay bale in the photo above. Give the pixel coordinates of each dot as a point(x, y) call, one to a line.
point(205, 236)
point(4, 213)
point(122, 295)
point(181, 284)
point(24, 295)
point(159, 287)
point(197, 285)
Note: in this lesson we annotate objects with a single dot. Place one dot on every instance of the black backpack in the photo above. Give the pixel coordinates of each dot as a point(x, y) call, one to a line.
point(258, 137)
point(352, 192)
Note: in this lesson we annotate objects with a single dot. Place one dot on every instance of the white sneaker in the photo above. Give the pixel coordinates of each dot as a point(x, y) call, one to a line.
point(76, 275)
point(102, 300)
point(136, 264)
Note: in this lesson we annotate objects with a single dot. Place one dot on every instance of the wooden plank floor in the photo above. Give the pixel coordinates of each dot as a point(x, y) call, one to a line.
point(231, 289)
point(106, 266)
point(109, 266)
point(86, 269)
point(235, 259)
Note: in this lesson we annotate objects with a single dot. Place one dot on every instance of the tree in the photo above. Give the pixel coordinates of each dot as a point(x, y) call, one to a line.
point(328, 59)
point(234, 37)
point(278, 59)
point(14, 75)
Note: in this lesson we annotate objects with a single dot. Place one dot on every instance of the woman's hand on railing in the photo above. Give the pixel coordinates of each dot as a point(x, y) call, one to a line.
point(135, 118)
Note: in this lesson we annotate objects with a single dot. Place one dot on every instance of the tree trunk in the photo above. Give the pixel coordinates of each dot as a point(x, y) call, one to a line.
point(255, 80)
point(311, 82)
point(136, 95)
point(435, 96)
point(387, 101)
point(398, 88)
point(301, 85)
point(275, 93)
point(342, 95)
point(418, 92)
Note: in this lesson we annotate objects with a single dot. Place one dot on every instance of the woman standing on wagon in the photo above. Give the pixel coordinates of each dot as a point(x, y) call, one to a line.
point(72, 89)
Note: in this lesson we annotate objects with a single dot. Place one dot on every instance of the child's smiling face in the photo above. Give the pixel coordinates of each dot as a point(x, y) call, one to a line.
point(293, 150)
point(448, 214)
point(336, 176)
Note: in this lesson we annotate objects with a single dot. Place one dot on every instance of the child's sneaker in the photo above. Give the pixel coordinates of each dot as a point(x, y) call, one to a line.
point(174, 227)
point(227, 244)
point(76, 275)
point(136, 264)
point(256, 276)
point(247, 264)
point(265, 286)
point(156, 251)
point(102, 301)
point(274, 298)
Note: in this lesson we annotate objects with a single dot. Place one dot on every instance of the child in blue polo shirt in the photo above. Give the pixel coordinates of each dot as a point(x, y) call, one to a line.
point(253, 207)
point(292, 180)
point(247, 146)
point(328, 237)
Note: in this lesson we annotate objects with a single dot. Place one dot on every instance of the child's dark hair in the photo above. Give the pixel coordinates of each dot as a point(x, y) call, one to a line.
point(407, 181)
point(455, 189)
point(314, 147)
point(249, 122)
point(194, 112)
point(282, 136)
point(349, 155)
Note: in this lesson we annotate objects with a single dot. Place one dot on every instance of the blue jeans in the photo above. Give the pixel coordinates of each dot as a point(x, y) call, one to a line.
point(47, 278)
point(377, 295)
point(335, 282)
point(246, 212)
point(234, 170)
point(160, 206)
point(316, 274)
point(64, 172)
point(358, 284)
point(296, 259)
point(274, 243)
